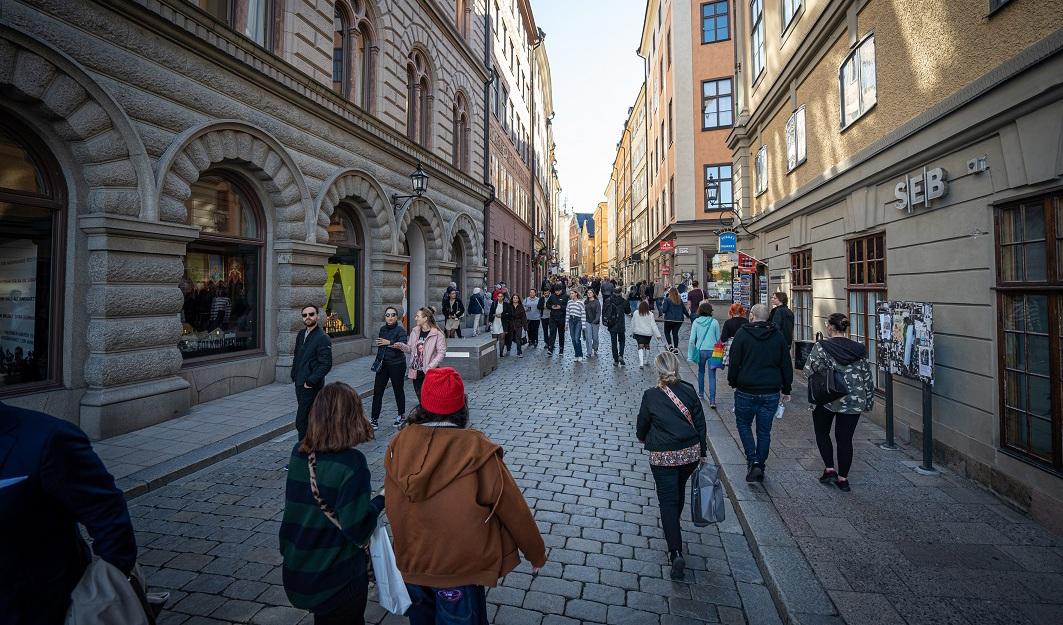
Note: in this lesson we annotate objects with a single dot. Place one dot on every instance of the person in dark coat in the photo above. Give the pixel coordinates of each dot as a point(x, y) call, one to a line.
point(390, 366)
point(50, 481)
point(310, 365)
point(614, 312)
point(694, 297)
point(556, 304)
point(783, 317)
point(516, 326)
point(477, 308)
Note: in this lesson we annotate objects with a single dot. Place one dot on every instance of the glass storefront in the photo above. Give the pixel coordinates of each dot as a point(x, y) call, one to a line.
point(343, 276)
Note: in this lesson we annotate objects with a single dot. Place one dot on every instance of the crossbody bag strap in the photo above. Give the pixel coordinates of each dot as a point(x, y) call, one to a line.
point(678, 404)
point(325, 508)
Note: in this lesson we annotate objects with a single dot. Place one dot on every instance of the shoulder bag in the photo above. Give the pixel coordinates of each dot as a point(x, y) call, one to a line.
point(827, 385)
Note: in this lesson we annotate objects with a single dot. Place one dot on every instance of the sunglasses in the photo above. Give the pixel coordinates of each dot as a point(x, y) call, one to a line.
point(390, 315)
point(312, 314)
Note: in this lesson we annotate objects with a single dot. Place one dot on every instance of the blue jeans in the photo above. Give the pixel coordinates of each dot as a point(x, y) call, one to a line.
point(575, 332)
point(703, 364)
point(749, 407)
point(590, 332)
point(464, 605)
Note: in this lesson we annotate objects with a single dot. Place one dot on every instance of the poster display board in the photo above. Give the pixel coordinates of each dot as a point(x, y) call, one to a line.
point(742, 289)
point(905, 337)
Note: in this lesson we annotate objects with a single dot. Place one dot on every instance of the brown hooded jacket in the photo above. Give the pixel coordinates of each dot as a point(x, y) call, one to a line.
point(457, 515)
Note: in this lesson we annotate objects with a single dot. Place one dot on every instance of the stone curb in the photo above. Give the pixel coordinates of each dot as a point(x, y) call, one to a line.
point(152, 478)
point(795, 589)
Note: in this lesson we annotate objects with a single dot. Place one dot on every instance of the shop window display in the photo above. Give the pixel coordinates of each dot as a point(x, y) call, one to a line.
point(343, 276)
point(222, 280)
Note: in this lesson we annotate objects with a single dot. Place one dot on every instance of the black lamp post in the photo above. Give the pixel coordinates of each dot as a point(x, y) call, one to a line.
point(419, 180)
point(712, 191)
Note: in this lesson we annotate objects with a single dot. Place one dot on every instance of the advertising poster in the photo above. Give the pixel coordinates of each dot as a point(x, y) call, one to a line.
point(405, 295)
point(18, 294)
point(906, 339)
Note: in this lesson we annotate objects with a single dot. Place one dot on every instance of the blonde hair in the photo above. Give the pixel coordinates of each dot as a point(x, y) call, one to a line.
point(673, 295)
point(667, 365)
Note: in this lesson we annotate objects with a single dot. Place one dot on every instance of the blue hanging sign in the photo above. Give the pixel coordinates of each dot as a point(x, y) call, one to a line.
point(728, 242)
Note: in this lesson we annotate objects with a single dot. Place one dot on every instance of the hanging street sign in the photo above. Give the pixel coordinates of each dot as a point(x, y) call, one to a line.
point(668, 246)
point(728, 242)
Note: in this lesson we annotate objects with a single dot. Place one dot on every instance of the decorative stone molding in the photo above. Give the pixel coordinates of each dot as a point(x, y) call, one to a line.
point(363, 190)
point(426, 212)
point(205, 146)
point(465, 226)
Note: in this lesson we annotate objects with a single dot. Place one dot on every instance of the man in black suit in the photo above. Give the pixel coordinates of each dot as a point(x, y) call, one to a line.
point(51, 480)
point(312, 362)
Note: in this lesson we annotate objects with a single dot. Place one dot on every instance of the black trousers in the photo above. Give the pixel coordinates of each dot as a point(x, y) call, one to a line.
point(396, 374)
point(513, 336)
point(533, 332)
point(616, 343)
point(557, 330)
point(352, 609)
point(671, 332)
point(305, 397)
point(417, 383)
point(844, 428)
point(671, 494)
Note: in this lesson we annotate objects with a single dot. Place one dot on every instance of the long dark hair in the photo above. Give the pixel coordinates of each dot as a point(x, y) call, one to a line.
point(459, 418)
point(336, 421)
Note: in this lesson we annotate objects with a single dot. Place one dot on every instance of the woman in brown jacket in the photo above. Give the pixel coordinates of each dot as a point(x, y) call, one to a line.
point(516, 326)
point(457, 515)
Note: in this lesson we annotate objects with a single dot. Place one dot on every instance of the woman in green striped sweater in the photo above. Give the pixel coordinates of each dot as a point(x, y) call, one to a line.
point(329, 511)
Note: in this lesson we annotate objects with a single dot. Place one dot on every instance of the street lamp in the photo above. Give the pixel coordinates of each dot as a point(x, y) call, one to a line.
point(419, 180)
point(712, 191)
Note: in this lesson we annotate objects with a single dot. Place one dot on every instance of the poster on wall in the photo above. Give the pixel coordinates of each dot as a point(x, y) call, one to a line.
point(18, 294)
point(906, 339)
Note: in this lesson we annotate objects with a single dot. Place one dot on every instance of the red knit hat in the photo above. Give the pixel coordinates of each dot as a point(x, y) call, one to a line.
point(443, 391)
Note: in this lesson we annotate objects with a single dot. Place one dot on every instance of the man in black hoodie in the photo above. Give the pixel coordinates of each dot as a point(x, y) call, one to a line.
point(556, 304)
point(759, 370)
point(613, 313)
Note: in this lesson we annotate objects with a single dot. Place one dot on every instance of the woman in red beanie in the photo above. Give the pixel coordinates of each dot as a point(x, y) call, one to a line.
point(457, 516)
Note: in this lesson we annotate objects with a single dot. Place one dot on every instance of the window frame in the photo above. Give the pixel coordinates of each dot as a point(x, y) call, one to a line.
point(1051, 288)
point(272, 18)
point(357, 243)
point(715, 16)
point(854, 52)
point(801, 145)
point(789, 20)
point(866, 290)
point(801, 289)
point(716, 98)
point(760, 171)
point(756, 32)
point(720, 207)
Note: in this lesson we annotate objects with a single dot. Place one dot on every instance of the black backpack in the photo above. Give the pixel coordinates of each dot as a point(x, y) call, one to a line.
point(612, 315)
point(826, 386)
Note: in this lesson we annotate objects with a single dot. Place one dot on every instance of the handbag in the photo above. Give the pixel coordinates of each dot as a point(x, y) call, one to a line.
point(391, 589)
point(716, 359)
point(706, 496)
point(826, 386)
point(105, 596)
point(727, 352)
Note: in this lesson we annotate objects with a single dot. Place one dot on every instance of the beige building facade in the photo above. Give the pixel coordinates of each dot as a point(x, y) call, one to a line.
point(906, 150)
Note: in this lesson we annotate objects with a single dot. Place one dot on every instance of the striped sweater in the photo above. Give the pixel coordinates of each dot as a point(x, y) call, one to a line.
point(575, 309)
point(319, 560)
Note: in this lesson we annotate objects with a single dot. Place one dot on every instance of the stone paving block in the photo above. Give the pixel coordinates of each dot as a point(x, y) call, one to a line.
point(665, 587)
point(601, 593)
point(581, 573)
point(543, 602)
point(199, 604)
point(647, 602)
point(207, 583)
point(274, 596)
point(506, 596)
point(758, 605)
point(621, 615)
point(237, 611)
point(553, 586)
point(690, 608)
point(245, 589)
point(278, 616)
point(553, 619)
point(586, 610)
point(567, 556)
point(509, 615)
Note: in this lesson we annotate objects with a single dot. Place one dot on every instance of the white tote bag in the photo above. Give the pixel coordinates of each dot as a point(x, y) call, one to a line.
point(393, 595)
point(104, 596)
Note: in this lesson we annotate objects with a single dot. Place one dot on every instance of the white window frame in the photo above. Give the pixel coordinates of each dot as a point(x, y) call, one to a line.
point(857, 79)
point(789, 10)
point(760, 170)
point(796, 148)
point(756, 37)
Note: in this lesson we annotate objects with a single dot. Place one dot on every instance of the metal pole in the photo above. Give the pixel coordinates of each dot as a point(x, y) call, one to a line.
point(927, 468)
point(889, 444)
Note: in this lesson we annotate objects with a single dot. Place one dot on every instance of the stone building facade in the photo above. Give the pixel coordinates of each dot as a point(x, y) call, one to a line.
point(930, 171)
point(177, 183)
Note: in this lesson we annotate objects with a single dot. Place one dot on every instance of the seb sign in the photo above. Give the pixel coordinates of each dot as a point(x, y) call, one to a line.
point(916, 190)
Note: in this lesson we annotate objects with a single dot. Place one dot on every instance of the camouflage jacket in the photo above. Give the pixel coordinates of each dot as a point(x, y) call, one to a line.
point(859, 378)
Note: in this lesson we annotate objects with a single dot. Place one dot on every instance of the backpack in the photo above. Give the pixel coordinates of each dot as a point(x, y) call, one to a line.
point(612, 315)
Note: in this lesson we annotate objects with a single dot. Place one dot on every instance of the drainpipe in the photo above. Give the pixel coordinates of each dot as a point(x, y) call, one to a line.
point(646, 129)
point(488, 35)
point(534, 169)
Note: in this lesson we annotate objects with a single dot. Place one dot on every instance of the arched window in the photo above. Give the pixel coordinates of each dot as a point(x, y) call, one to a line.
point(341, 51)
point(254, 19)
point(343, 275)
point(461, 132)
point(419, 99)
point(353, 53)
point(222, 285)
point(32, 199)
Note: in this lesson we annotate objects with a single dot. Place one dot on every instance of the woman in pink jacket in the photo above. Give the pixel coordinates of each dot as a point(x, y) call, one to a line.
point(428, 345)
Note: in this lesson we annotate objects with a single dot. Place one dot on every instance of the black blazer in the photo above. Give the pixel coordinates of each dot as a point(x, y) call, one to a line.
point(42, 555)
point(313, 358)
point(506, 314)
point(662, 427)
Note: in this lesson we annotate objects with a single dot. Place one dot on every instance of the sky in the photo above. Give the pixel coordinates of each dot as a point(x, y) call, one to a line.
point(596, 76)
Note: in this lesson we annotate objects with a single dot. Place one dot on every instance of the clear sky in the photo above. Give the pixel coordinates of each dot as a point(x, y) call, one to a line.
point(596, 76)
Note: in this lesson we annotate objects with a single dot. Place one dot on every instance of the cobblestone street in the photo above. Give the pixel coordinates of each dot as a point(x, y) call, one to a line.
point(568, 432)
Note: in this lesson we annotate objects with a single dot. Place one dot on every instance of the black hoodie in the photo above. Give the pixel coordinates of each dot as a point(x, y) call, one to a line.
point(844, 351)
point(759, 361)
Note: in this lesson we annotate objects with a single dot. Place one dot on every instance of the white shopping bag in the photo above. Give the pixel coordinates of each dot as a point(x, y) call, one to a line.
point(393, 595)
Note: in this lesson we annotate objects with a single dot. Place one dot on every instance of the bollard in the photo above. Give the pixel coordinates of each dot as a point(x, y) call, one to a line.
point(927, 468)
point(889, 444)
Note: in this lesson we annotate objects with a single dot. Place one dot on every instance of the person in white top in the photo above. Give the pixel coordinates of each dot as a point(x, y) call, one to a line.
point(577, 316)
point(644, 328)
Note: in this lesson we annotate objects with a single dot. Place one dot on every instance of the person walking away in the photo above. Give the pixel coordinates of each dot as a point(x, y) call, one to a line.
point(736, 319)
point(453, 311)
point(643, 328)
point(671, 425)
point(476, 309)
point(329, 512)
point(51, 481)
point(533, 309)
point(704, 335)
point(390, 366)
point(760, 370)
point(596, 286)
point(694, 297)
point(674, 313)
point(577, 317)
point(310, 364)
point(608, 288)
point(498, 318)
point(517, 325)
point(557, 303)
point(457, 515)
point(614, 311)
point(647, 290)
point(593, 309)
point(633, 298)
point(849, 357)
point(428, 346)
point(783, 318)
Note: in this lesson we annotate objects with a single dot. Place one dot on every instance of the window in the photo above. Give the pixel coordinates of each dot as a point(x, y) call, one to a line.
point(352, 56)
point(801, 294)
point(795, 139)
point(866, 285)
point(721, 175)
point(857, 81)
point(717, 104)
point(461, 133)
point(760, 171)
point(419, 99)
point(715, 22)
point(671, 126)
point(32, 203)
point(222, 283)
point(251, 18)
point(996, 4)
point(668, 50)
point(1030, 300)
point(344, 275)
point(461, 17)
point(340, 52)
point(756, 39)
point(671, 197)
point(789, 10)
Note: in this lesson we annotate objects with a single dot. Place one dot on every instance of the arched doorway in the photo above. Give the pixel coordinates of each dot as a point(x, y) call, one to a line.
point(416, 275)
point(344, 274)
point(457, 274)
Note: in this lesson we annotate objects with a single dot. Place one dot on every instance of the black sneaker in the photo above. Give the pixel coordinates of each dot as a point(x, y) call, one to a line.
point(678, 565)
point(750, 475)
point(756, 474)
point(760, 473)
point(828, 477)
point(375, 423)
point(843, 485)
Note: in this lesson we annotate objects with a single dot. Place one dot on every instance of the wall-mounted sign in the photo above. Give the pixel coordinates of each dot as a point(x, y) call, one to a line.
point(682, 250)
point(668, 246)
point(746, 263)
point(916, 190)
point(728, 242)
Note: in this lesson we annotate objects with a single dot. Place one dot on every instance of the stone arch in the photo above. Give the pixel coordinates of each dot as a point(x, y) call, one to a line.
point(368, 196)
point(114, 164)
point(425, 212)
point(464, 226)
point(199, 148)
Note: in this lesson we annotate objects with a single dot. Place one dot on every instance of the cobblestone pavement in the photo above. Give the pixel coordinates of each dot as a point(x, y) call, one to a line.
point(568, 432)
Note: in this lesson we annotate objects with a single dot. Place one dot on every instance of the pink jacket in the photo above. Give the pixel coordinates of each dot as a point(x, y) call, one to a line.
point(435, 348)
